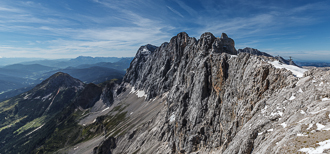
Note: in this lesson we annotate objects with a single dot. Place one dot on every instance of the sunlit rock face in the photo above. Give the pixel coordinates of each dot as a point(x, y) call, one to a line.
point(214, 100)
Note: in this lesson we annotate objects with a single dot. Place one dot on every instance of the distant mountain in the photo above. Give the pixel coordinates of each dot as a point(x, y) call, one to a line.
point(18, 78)
point(90, 75)
point(8, 61)
point(25, 71)
point(31, 67)
point(46, 62)
point(122, 64)
point(81, 60)
point(316, 64)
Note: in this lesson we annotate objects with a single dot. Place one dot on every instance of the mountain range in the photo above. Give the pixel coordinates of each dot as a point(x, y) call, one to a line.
point(186, 96)
point(18, 78)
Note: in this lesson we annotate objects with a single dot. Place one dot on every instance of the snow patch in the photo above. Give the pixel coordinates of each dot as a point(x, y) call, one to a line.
point(323, 146)
point(321, 84)
point(325, 99)
point(277, 113)
point(300, 90)
point(141, 93)
point(270, 130)
point(45, 97)
point(301, 134)
point(260, 133)
point(264, 110)
point(232, 56)
point(145, 51)
point(297, 71)
point(105, 109)
point(302, 112)
point(38, 97)
point(35, 130)
point(318, 111)
point(172, 118)
point(132, 90)
point(319, 126)
point(292, 98)
point(302, 120)
point(283, 124)
point(310, 126)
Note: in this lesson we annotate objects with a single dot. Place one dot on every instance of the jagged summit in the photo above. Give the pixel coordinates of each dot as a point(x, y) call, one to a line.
point(168, 56)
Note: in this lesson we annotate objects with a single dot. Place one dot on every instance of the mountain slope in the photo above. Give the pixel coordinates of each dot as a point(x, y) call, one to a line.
point(25, 113)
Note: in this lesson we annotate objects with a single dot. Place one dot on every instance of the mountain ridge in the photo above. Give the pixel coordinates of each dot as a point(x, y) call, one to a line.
point(211, 100)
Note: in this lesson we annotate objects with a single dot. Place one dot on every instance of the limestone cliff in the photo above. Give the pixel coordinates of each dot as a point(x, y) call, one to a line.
point(213, 100)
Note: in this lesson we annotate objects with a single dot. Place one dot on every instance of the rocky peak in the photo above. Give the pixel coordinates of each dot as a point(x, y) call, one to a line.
point(145, 50)
point(224, 36)
point(254, 52)
point(60, 80)
point(224, 44)
point(206, 41)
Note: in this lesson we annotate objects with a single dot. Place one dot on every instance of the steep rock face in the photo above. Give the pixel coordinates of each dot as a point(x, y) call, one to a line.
point(210, 95)
point(155, 72)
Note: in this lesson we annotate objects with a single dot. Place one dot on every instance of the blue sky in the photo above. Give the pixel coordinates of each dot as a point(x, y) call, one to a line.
point(117, 28)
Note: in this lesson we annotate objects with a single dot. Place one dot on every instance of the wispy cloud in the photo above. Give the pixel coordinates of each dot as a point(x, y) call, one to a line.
point(175, 11)
point(119, 27)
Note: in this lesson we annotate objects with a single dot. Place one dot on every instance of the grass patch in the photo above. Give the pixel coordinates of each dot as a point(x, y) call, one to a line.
point(31, 125)
point(6, 106)
point(13, 123)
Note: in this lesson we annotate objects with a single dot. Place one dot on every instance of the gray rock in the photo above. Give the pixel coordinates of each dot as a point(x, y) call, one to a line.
point(217, 101)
